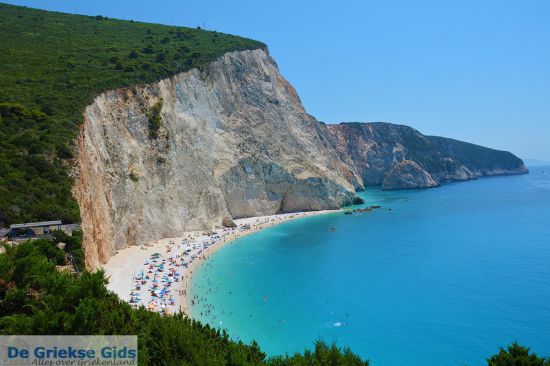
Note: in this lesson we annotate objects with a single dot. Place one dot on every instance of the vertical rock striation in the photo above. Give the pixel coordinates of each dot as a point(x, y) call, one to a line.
point(232, 140)
point(400, 157)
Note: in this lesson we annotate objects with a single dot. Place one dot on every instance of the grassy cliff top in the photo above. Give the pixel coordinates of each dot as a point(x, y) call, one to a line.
point(51, 66)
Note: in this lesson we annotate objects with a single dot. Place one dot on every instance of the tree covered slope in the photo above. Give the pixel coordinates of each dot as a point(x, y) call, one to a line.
point(51, 66)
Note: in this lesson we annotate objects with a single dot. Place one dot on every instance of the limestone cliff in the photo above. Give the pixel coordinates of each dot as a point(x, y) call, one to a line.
point(230, 140)
point(233, 140)
point(406, 175)
point(375, 152)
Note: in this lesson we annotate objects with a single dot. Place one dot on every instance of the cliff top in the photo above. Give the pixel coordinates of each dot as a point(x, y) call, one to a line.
point(51, 66)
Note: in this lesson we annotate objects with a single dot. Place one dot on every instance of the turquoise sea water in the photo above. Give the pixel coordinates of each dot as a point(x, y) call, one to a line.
point(444, 278)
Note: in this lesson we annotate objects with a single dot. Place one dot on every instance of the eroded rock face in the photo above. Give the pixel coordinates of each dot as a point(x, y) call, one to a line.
point(234, 141)
point(407, 175)
point(375, 150)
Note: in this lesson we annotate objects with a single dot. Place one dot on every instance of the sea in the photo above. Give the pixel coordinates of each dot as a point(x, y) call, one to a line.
point(441, 276)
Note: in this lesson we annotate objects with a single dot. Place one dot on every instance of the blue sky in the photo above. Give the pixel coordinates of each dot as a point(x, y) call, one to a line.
point(478, 70)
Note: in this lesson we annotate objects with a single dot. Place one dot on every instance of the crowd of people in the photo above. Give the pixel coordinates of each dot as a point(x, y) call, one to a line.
point(157, 285)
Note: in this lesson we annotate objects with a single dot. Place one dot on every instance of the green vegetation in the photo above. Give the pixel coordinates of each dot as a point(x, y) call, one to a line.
point(73, 246)
point(35, 298)
point(52, 65)
point(133, 177)
point(154, 118)
point(54, 254)
point(517, 355)
point(33, 178)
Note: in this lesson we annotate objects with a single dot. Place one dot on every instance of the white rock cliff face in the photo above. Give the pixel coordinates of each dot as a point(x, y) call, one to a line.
point(234, 140)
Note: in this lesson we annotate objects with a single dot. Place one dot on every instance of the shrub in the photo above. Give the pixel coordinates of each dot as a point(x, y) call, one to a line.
point(133, 177)
point(73, 245)
point(154, 118)
point(517, 355)
point(50, 250)
point(64, 152)
point(129, 68)
point(161, 57)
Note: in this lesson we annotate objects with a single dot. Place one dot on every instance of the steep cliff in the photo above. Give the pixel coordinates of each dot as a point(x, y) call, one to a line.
point(406, 175)
point(50, 74)
point(376, 151)
point(230, 140)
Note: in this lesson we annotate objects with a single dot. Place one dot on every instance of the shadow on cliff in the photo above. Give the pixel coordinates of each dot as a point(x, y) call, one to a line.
point(255, 187)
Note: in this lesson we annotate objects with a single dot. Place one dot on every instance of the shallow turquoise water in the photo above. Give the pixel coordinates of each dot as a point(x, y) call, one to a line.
point(444, 278)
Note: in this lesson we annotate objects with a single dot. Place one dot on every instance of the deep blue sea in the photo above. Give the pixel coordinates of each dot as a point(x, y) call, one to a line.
point(445, 277)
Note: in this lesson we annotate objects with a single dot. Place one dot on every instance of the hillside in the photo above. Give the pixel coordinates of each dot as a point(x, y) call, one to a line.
point(52, 65)
point(399, 157)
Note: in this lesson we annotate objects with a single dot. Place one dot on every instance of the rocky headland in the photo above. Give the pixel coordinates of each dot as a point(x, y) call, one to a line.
point(400, 157)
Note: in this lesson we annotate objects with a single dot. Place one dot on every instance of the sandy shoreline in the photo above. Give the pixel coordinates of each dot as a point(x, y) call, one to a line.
point(123, 267)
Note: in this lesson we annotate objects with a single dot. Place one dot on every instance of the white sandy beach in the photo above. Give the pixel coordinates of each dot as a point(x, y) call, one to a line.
point(157, 274)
